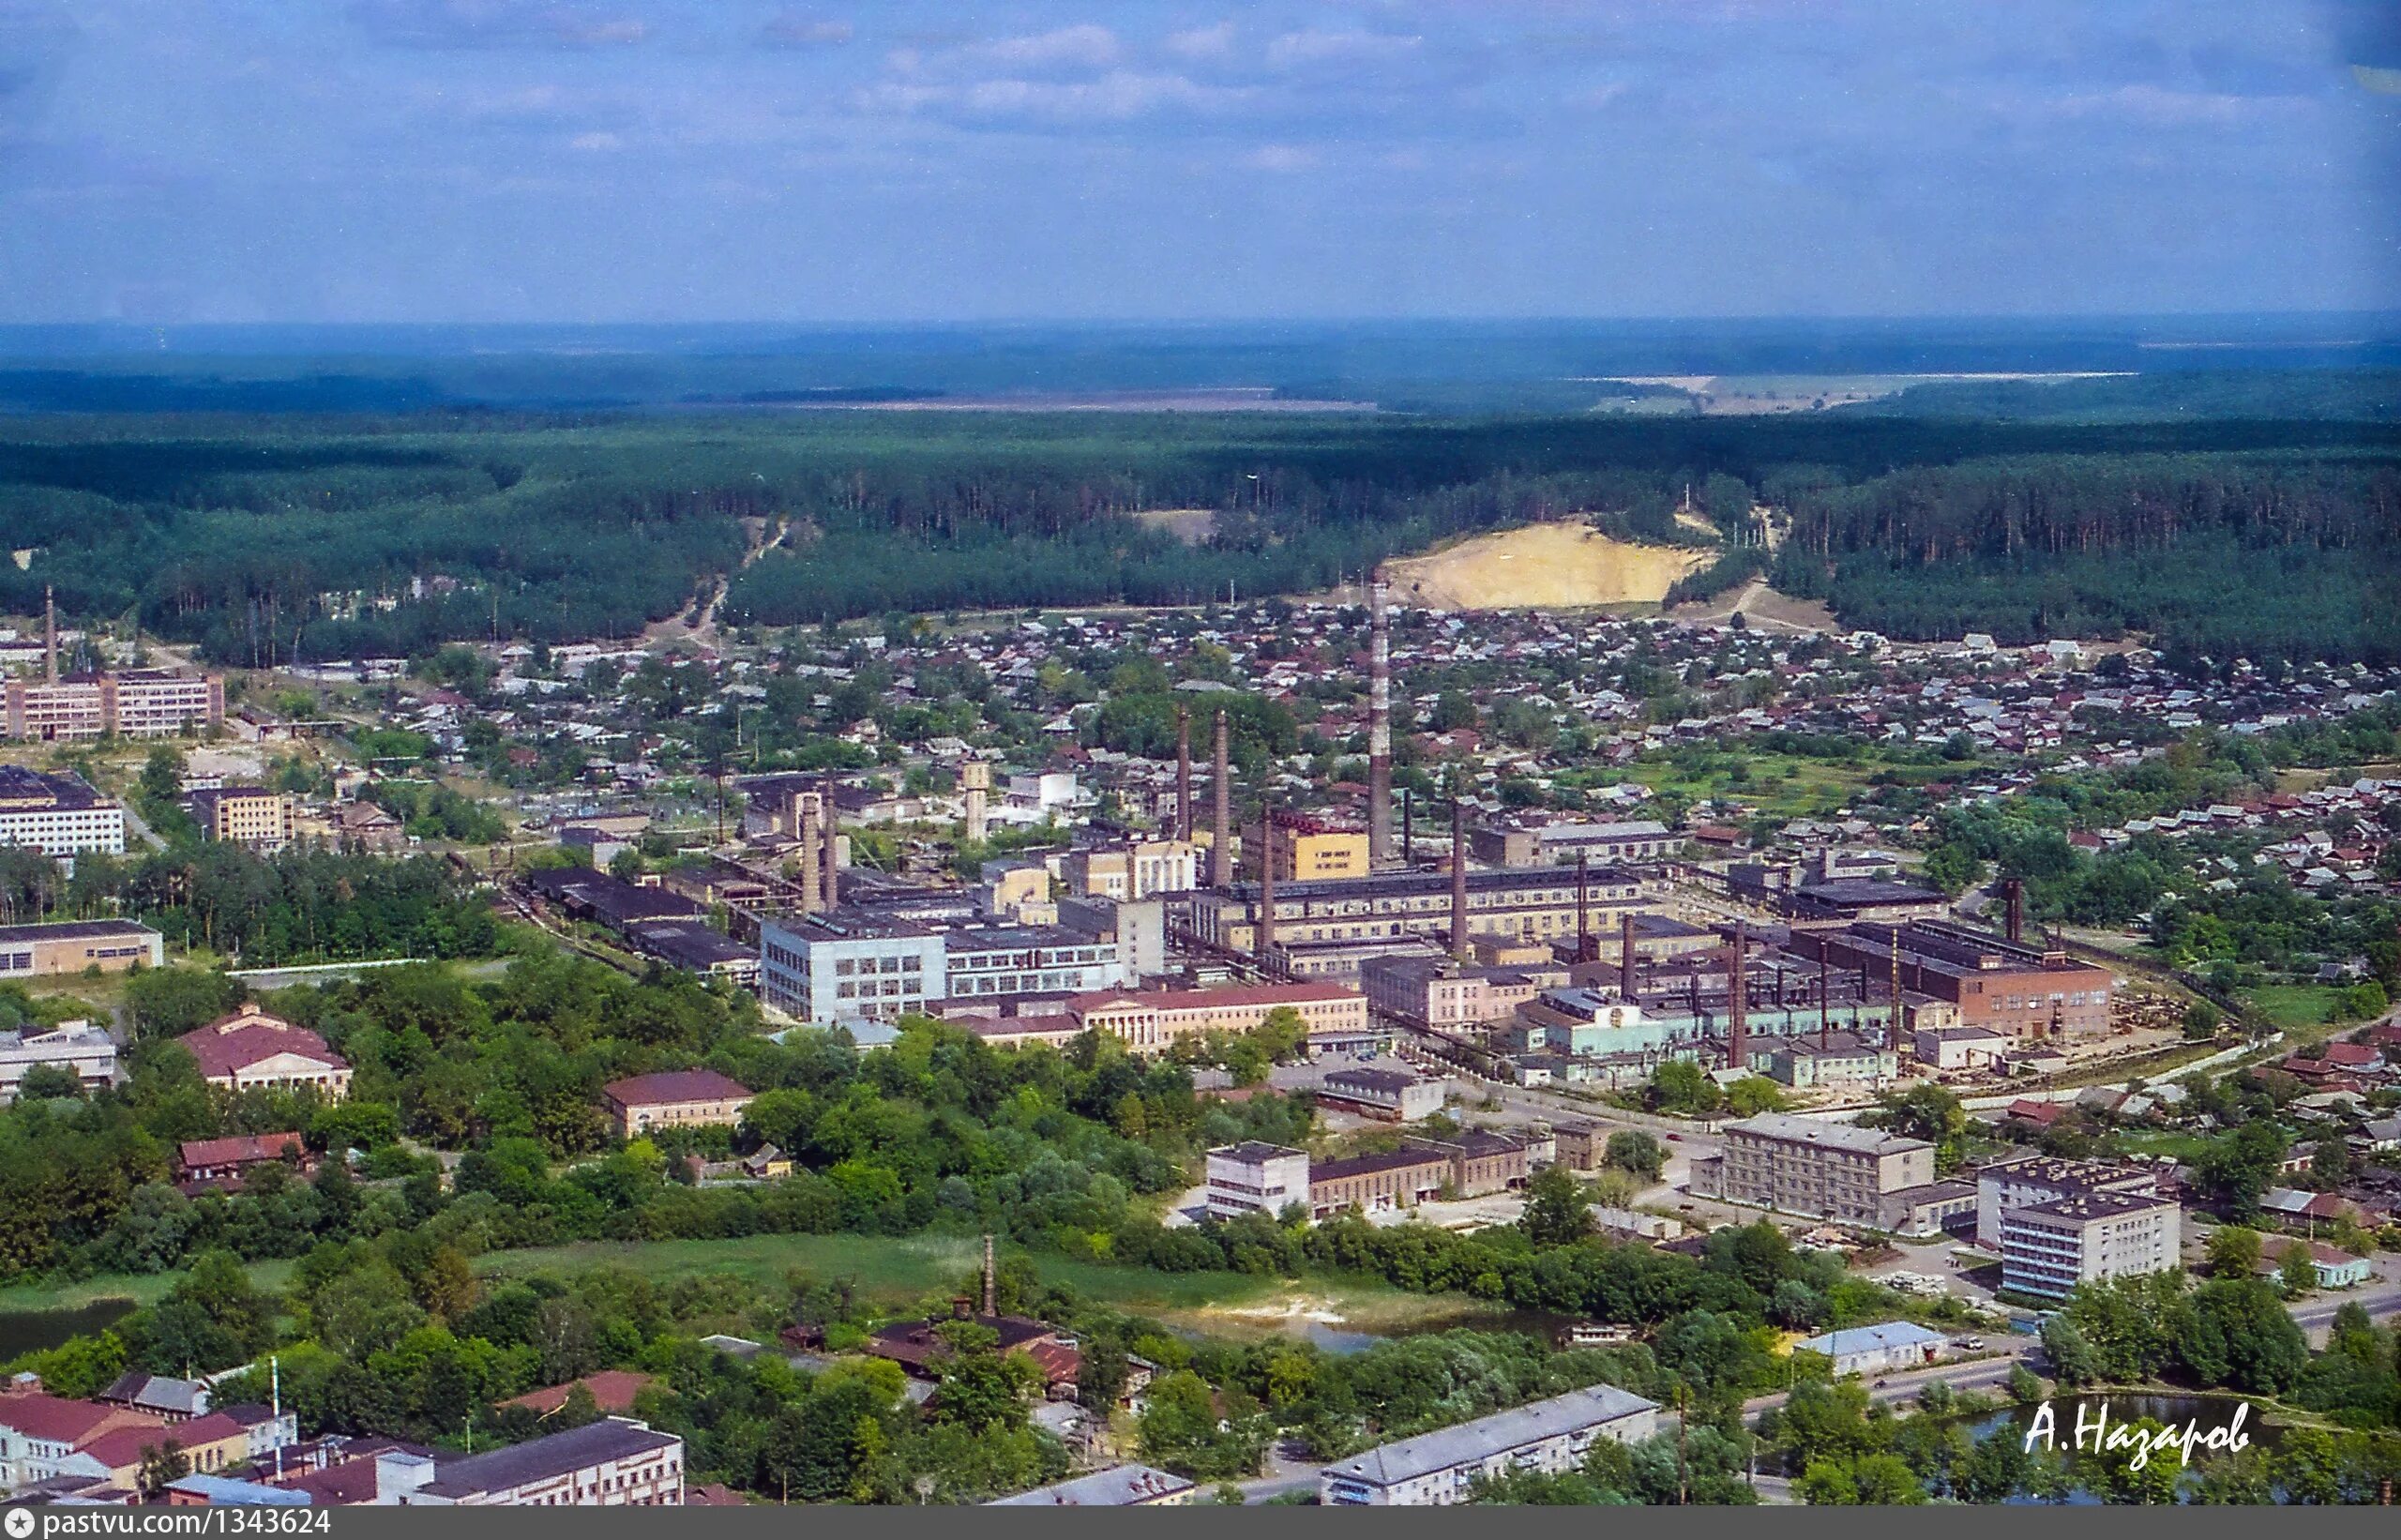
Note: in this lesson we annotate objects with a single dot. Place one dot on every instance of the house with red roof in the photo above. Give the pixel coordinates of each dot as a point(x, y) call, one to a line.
point(41, 1435)
point(226, 1163)
point(251, 1049)
point(612, 1391)
point(677, 1099)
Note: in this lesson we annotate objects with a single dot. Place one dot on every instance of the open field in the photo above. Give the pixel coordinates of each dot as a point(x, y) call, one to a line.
point(1189, 525)
point(141, 1287)
point(1756, 394)
point(1781, 785)
point(1560, 565)
point(895, 1271)
point(2294, 1007)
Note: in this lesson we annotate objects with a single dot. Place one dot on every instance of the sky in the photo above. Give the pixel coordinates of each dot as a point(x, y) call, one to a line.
point(667, 161)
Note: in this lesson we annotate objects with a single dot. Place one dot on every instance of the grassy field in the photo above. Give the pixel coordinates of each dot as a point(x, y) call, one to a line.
point(897, 1271)
point(1779, 785)
point(141, 1287)
point(2294, 1007)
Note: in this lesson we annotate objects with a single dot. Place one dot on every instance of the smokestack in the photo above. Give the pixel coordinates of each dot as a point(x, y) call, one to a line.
point(1583, 911)
point(1893, 1017)
point(1408, 828)
point(1625, 956)
point(975, 780)
point(1221, 853)
point(1459, 883)
point(808, 819)
point(1266, 936)
point(2013, 892)
point(1182, 774)
point(1825, 998)
point(49, 635)
point(991, 1281)
point(1738, 1047)
point(829, 828)
point(1379, 727)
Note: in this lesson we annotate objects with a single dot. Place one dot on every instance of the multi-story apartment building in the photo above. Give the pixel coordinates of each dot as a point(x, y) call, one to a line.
point(127, 703)
point(1154, 1020)
point(242, 815)
point(1117, 1486)
point(2002, 985)
point(848, 967)
point(2047, 1249)
point(613, 1463)
point(1254, 1177)
point(58, 815)
point(2024, 1181)
point(71, 946)
point(1828, 1170)
point(1436, 1470)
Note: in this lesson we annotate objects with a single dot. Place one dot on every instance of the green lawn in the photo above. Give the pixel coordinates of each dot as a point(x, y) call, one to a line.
point(1781, 785)
point(2294, 1007)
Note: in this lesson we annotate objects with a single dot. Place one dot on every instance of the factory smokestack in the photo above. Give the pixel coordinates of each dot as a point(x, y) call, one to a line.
point(1264, 939)
point(1221, 850)
point(1738, 1047)
point(1625, 957)
point(49, 636)
point(975, 781)
point(1583, 910)
point(1458, 882)
point(1825, 998)
point(1378, 726)
point(991, 1281)
point(829, 835)
point(806, 820)
point(1182, 774)
point(2013, 893)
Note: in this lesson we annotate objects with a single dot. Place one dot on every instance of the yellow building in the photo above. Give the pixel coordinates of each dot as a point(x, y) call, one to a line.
point(244, 815)
point(1306, 848)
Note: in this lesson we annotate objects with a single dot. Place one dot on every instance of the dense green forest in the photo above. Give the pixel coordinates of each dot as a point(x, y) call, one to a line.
point(270, 539)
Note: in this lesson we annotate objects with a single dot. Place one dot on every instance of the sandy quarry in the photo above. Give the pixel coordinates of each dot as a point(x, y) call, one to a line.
point(1563, 565)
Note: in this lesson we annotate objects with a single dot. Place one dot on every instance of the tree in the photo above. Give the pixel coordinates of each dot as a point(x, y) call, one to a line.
point(163, 1464)
point(1680, 1085)
point(1557, 1211)
point(2297, 1271)
point(1928, 1112)
point(2072, 1361)
point(2233, 1251)
point(1632, 1150)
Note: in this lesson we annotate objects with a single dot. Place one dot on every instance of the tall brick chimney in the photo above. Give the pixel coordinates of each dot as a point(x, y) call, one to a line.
point(829, 828)
point(1182, 774)
point(1378, 726)
point(1221, 853)
point(1626, 985)
point(1264, 937)
point(1458, 882)
point(1738, 984)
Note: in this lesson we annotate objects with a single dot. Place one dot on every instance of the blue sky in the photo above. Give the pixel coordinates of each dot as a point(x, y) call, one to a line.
point(248, 160)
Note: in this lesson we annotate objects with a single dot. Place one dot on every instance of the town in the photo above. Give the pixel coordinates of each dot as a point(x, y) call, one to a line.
point(1937, 965)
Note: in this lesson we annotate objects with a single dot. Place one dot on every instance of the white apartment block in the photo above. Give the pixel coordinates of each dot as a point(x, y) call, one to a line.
point(1828, 1170)
point(2047, 1249)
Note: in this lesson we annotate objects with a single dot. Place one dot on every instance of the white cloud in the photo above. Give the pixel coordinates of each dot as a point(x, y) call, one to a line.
point(1116, 96)
point(2147, 103)
point(1086, 47)
point(1204, 43)
point(597, 144)
point(792, 30)
point(1301, 50)
point(1283, 158)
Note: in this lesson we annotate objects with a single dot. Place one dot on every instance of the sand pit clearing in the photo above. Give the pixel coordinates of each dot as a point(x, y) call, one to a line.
point(1563, 565)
